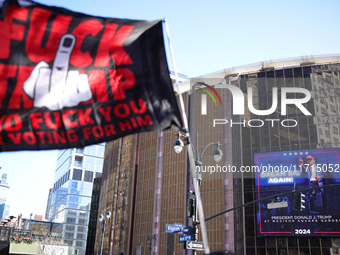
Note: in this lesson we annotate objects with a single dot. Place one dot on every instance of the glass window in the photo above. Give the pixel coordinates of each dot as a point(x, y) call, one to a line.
point(82, 221)
point(261, 251)
point(315, 251)
point(71, 220)
point(80, 150)
point(63, 160)
point(292, 242)
point(78, 162)
point(69, 235)
point(81, 236)
point(335, 130)
point(80, 244)
point(326, 242)
point(270, 251)
point(303, 242)
point(70, 227)
point(271, 242)
point(260, 241)
point(77, 174)
point(281, 241)
point(69, 242)
point(320, 131)
point(250, 251)
point(250, 242)
point(82, 215)
point(327, 133)
point(88, 176)
point(314, 242)
point(98, 174)
point(71, 212)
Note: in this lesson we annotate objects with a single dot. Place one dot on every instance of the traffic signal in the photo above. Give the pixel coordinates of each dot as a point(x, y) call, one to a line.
point(299, 202)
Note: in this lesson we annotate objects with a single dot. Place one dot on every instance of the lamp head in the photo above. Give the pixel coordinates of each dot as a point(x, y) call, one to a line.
point(178, 145)
point(101, 217)
point(217, 153)
point(108, 214)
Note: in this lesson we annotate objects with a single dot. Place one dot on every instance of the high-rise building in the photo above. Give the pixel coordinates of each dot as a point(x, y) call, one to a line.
point(4, 188)
point(49, 200)
point(71, 200)
point(145, 183)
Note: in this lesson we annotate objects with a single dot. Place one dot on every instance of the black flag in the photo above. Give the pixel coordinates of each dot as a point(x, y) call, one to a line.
point(69, 80)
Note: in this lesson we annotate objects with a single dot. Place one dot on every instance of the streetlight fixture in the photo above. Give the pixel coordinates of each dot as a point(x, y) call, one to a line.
point(217, 153)
point(217, 156)
point(102, 218)
point(178, 144)
point(149, 240)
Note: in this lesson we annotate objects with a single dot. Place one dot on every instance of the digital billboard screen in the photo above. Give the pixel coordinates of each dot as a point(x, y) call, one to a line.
point(280, 172)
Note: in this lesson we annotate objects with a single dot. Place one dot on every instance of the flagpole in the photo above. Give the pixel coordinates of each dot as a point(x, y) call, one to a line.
point(189, 151)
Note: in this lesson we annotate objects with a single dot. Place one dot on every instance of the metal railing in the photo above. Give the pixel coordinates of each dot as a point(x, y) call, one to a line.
point(7, 232)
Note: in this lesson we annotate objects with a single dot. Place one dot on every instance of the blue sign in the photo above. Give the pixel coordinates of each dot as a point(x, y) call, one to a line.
point(175, 228)
point(186, 230)
point(184, 238)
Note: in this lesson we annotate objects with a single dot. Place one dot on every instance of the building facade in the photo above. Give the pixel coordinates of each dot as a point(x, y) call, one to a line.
point(4, 188)
point(72, 190)
point(91, 234)
point(145, 183)
point(315, 133)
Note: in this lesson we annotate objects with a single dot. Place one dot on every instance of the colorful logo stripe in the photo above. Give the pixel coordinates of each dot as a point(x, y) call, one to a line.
point(209, 94)
point(212, 89)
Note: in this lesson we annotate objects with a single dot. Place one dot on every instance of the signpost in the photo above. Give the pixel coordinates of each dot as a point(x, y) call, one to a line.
point(186, 230)
point(194, 245)
point(184, 238)
point(174, 228)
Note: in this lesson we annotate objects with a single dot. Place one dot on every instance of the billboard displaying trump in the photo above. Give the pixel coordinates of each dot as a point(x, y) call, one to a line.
point(284, 171)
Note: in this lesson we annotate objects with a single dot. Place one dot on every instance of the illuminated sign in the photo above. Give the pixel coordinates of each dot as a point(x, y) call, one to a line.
point(279, 172)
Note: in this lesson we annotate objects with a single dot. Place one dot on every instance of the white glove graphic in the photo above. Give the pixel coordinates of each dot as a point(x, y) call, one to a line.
point(57, 87)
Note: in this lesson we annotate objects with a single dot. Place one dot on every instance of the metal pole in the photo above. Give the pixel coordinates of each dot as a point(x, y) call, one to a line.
point(198, 162)
point(190, 156)
point(30, 221)
point(101, 245)
point(150, 247)
point(195, 222)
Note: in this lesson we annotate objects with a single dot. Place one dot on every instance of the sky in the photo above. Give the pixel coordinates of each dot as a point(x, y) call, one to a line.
point(206, 36)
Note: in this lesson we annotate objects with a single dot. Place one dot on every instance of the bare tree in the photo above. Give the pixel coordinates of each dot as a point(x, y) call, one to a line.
point(51, 245)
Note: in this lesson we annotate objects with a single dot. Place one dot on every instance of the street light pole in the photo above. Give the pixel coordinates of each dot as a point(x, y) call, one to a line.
point(149, 240)
point(102, 218)
point(31, 221)
point(217, 155)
